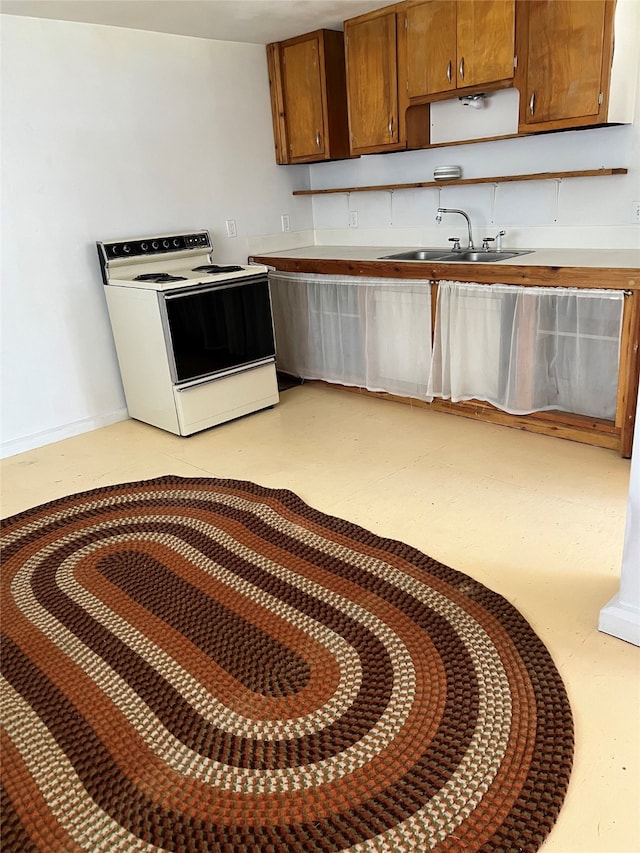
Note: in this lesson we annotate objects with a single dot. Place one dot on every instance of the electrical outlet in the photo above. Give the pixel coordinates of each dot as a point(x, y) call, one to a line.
point(635, 212)
point(284, 219)
point(232, 231)
point(353, 219)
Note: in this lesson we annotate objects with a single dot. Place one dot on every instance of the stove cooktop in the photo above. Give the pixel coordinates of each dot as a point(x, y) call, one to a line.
point(180, 277)
point(167, 262)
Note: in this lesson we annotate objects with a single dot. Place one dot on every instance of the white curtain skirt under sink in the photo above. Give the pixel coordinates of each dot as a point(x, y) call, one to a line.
point(522, 349)
point(528, 349)
point(372, 333)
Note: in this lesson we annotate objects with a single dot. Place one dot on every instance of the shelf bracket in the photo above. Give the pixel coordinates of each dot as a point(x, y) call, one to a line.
point(556, 204)
point(494, 194)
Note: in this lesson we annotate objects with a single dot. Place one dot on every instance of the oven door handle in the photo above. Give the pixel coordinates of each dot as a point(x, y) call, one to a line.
point(194, 290)
point(222, 374)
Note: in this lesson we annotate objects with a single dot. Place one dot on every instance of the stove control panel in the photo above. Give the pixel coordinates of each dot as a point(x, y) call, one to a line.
point(162, 244)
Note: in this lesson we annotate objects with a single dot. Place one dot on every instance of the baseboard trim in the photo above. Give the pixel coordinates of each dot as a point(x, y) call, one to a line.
point(620, 621)
point(49, 436)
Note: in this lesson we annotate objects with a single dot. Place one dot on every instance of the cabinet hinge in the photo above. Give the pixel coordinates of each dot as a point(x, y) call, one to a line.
point(515, 61)
point(600, 99)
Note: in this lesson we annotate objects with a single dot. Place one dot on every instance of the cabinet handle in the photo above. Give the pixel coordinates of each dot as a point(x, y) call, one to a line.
point(391, 126)
point(532, 103)
point(462, 68)
point(318, 139)
point(449, 71)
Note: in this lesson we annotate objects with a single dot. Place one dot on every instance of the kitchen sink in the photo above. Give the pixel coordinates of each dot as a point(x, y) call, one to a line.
point(417, 255)
point(477, 256)
point(480, 256)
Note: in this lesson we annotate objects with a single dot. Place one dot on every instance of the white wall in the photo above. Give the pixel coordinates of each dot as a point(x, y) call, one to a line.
point(592, 212)
point(110, 133)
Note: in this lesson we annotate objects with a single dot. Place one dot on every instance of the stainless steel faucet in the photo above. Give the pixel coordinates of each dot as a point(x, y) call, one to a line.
point(442, 210)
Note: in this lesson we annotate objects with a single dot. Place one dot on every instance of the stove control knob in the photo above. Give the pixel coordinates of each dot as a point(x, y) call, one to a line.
point(176, 243)
point(126, 248)
point(166, 244)
point(144, 246)
point(155, 244)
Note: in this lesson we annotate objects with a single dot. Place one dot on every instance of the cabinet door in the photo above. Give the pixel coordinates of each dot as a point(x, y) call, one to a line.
point(372, 83)
point(431, 48)
point(455, 45)
point(564, 60)
point(309, 97)
point(303, 98)
point(486, 41)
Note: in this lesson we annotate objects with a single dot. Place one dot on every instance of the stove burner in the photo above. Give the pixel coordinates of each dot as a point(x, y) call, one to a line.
point(159, 276)
point(213, 268)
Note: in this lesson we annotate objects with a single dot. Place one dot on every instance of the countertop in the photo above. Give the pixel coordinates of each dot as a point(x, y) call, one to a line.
point(593, 258)
point(607, 268)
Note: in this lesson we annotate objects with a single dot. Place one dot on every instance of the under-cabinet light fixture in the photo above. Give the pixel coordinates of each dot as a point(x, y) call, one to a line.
point(475, 101)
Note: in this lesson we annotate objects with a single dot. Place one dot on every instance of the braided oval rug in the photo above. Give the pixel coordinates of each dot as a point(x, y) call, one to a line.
point(209, 665)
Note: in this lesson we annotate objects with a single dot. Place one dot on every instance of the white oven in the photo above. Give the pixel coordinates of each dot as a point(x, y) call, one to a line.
point(194, 339)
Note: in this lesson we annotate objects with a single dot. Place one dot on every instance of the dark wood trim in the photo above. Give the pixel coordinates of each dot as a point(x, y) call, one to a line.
point(606, 278)
point(557, 424)
point(277, 105)
point(499, 179)
point(629, 372)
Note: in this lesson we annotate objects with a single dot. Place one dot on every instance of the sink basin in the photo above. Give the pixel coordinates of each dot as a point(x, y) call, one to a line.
point(416, 255)
point(477, 256)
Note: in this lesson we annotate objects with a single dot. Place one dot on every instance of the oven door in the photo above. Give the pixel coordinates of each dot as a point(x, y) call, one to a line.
point(218, 328)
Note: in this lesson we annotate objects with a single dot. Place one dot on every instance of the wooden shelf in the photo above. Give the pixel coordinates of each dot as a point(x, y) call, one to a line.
point(499, 179)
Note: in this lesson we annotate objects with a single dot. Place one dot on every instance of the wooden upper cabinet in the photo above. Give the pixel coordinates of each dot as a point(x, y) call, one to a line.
point(372, 82)
point(305, 99)
point(486, 41)
point(431, 47)
point(458, 44)
point(564, 49)
point(308, 97)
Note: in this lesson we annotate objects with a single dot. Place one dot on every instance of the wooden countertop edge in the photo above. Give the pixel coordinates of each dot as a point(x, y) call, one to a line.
point(608, 278)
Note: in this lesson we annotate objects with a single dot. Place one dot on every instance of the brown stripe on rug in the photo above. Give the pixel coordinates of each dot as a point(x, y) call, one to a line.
point(201, 664)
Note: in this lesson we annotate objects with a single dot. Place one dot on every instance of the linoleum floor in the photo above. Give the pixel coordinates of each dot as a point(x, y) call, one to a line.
point(538, 519)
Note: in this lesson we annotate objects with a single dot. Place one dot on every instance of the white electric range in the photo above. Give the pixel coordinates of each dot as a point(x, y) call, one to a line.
point(194, 339)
